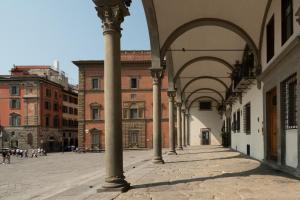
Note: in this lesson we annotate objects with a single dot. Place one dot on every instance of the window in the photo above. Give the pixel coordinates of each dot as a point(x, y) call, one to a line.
point(47, 105)
point(95, 113)
point(247, 118)
point(14, 103)
point(133, 83)
point(95, 83)
point(14, 90)
point(29, 90)
point(65, 109)
point(205, 105)
point(75, 111)
point(48, 92)
point(55, 106)
point(71, 111)
point(133, 113)
point(55, 95)
point(287, 19)
point(14, 119)
point(65, 97)
point(56, 122)
point(288, 102)
point(65, 122)
point(270, 39)
point(234, 122)
point(47, 121)
point(238, 121)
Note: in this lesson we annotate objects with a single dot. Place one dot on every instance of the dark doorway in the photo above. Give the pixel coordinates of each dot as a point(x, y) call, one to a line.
point(133, 139)
point(205, 137)
point(272, 124)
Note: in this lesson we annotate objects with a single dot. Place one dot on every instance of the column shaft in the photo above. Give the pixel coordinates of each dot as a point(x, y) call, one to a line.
point(157, 137)
point(171, 124)
point(183, 128)
point(179, 135)
point(112, 16)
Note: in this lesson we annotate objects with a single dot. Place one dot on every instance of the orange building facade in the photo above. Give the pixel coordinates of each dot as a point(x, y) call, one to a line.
point(32, 110)
point(136, 102)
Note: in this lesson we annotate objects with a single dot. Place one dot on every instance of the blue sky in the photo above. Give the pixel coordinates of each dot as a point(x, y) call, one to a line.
point(36, 32)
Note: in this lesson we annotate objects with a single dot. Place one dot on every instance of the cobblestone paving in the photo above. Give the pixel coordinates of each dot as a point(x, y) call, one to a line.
point(211, 172)
point(58, 176)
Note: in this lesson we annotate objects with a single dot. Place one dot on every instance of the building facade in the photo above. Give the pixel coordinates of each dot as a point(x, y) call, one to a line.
point(32, 108)
point(136, 102)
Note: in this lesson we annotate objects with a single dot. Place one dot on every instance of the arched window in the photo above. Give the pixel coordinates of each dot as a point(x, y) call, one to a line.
point(14, 119)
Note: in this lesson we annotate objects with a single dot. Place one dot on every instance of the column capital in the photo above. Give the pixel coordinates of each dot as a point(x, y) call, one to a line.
point(178, 104)
point(172, 94)
point(112, 13)
point(298, 15)
point(157, 74)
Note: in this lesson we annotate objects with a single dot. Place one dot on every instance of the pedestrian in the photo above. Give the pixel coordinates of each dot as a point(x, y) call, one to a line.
point(3, 156)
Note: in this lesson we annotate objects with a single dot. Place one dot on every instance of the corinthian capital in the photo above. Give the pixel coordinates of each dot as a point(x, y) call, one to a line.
point(157, 75)
point(112, 13)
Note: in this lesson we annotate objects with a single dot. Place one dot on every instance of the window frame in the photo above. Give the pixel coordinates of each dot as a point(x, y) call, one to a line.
point(247, 118)
point(98, 83)
point(287, 17)
point(136, 83)
point(270, 40)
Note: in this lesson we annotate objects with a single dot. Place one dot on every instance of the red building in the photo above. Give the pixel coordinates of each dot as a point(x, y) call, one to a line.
point(31, 108)
point(136, 102)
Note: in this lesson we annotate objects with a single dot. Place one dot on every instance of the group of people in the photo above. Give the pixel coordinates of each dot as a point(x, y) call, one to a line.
point(7, 153)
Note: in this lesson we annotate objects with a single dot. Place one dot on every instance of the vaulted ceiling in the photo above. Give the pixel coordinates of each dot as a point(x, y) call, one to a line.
point(204, 39)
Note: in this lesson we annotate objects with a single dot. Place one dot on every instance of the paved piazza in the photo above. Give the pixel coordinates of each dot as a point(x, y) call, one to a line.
point(210, 172)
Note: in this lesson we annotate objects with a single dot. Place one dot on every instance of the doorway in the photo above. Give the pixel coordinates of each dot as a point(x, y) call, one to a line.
point(205, 140)
point(272, 124)
point(133, 139)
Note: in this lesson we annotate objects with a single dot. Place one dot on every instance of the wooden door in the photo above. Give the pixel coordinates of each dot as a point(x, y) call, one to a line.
point(272, 124)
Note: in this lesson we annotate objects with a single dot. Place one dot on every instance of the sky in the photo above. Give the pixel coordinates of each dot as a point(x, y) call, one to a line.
point(37, 32)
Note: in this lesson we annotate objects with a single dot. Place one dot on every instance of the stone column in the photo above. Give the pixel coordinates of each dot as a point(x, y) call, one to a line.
point(179, 135)
point(187, 132)
point(298, 116)
point(157, 74)
point(183, 128)
point(112, 14)
point(172, 151)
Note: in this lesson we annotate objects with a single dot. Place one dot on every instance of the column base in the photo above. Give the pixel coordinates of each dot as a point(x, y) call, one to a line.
point(114, 184)
point(172, 153)
point(158, 161)
point(179, 148)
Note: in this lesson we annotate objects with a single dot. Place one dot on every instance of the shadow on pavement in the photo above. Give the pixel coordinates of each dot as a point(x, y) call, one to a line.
point(261, 170)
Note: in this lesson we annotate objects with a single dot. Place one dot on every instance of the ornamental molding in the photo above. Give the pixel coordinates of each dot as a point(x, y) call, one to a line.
point(112, 13)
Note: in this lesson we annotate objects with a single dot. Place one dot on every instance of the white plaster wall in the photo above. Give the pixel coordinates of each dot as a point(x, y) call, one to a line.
point(275, 10)
point(205, 119)
point(240, 140)
point(291, 148)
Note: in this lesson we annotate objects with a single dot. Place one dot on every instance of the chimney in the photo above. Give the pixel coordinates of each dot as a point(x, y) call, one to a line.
point(56, 65)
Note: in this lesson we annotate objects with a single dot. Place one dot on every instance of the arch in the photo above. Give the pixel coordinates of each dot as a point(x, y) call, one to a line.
point(203, 77)
point(153, 33)
point(209, 22)
point(203, 97)
point(201, 58)
point(201, 89)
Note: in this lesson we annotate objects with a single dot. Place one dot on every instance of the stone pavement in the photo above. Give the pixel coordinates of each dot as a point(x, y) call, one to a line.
point(210, 172)
point(206, 172)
